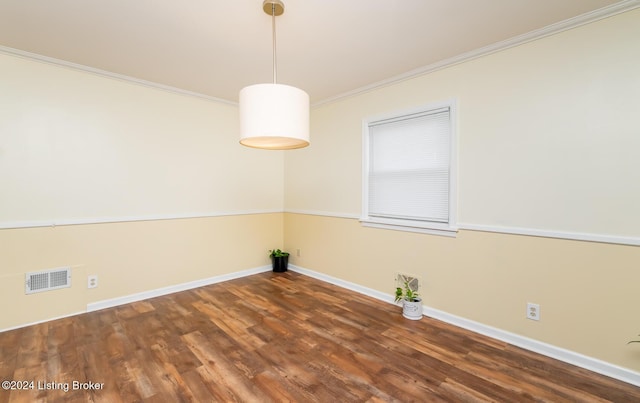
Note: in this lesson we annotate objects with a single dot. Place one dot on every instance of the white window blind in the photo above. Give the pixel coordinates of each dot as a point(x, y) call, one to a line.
point(408, 173)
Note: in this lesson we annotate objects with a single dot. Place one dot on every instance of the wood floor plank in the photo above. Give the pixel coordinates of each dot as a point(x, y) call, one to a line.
point(276, 337)
point(227, 382)
point(197, 386)
point(96, 367)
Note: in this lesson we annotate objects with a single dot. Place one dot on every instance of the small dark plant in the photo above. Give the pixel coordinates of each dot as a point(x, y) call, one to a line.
point(279, 260)
point(407, 293)
point(277, 253)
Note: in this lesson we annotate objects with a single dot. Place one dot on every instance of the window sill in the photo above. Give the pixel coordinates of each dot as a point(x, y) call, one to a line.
point(421, 228)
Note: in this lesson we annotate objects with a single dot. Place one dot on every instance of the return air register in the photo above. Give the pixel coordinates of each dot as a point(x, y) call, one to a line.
point(412, 281)
point(48, 280)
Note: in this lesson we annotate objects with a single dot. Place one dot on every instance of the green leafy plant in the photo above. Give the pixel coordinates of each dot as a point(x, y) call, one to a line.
point(407, 293)
point(277, 253)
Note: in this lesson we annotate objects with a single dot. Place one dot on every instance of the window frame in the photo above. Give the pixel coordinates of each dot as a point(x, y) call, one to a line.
point(448, 228)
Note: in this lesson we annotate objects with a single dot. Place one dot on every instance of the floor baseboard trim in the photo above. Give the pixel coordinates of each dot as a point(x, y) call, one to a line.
point(549, 350)
point(589, 363)
point(40, 321)
point(571, 357)
point(341, 283)
point(110, 303)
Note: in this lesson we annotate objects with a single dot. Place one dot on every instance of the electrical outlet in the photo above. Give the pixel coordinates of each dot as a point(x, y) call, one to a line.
point(533, 311)
point(92, 281)
point(298, 252)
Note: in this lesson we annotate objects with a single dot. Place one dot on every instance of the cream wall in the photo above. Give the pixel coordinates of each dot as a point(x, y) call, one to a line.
point(128, 257)
point(80, 148)
point(548, 138)
point(547, 132)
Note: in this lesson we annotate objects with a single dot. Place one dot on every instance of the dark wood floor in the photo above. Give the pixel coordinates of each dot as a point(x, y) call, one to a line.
point(280, 337)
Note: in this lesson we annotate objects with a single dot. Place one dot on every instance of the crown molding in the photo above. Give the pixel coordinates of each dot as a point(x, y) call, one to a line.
point(583, 19)
point(587, 18)
point(104, 73)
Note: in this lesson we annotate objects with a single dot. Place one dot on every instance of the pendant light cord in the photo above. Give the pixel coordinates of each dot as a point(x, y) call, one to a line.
point(273, 29)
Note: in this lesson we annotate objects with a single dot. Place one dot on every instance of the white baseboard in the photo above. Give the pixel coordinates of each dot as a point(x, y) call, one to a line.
point(571, 357)
point(40, 321)
point(109, 303)
point(344, 284)
point(561, 354)
point(592, 364)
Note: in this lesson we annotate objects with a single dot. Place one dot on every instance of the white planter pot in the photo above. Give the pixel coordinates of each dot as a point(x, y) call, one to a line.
point(412, 310)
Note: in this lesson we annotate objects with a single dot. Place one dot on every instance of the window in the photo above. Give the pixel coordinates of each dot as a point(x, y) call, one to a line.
point(409, 175)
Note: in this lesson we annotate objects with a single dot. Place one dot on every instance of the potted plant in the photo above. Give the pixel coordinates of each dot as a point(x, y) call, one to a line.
point(279, 260)
point(411, 302)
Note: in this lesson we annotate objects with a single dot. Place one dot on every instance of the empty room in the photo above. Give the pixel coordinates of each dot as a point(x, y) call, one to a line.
point(313, 200)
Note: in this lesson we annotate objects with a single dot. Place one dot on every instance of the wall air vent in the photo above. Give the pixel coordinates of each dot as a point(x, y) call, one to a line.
point(412, 281)
point(48, 280)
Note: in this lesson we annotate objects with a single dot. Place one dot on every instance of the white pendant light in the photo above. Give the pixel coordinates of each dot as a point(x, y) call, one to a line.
point(274, 116)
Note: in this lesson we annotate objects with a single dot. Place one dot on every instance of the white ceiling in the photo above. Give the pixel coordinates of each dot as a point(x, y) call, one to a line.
point(326, 47)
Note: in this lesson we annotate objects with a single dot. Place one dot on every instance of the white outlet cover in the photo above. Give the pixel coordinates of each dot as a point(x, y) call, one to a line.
point(533, 311)
point(92, 281)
